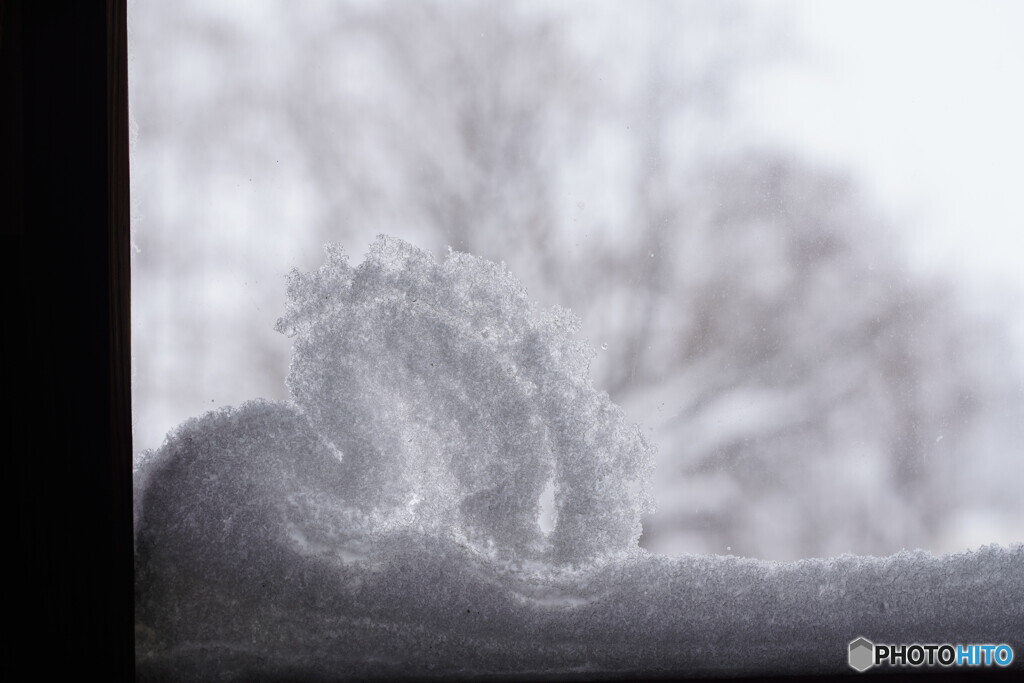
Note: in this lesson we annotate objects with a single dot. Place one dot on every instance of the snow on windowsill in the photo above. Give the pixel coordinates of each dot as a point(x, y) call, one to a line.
point(384, 523)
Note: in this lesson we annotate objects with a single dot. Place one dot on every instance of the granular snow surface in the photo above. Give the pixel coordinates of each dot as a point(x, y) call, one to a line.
point(385, 522)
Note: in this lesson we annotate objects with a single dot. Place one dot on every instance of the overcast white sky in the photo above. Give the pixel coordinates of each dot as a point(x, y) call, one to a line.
point(924, 101)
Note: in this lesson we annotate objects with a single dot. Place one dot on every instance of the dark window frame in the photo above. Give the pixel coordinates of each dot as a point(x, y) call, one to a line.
point(64, 244)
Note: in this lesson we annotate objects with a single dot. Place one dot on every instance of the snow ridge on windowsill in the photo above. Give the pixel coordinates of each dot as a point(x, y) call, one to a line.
point(384, 523)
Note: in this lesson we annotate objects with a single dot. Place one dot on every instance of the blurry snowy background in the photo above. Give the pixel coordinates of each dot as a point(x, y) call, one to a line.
point(793, 231)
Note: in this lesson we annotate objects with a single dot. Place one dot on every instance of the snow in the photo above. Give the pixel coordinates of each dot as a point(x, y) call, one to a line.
point(447, 495)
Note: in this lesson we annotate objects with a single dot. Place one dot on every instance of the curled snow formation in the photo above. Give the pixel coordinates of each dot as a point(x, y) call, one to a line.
point(449, 397)
point(385, 522)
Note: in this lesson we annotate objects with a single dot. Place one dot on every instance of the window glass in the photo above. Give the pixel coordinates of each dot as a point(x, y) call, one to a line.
point(790, 232)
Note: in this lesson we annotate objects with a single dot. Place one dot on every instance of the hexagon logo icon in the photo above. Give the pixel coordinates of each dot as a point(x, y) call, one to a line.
point(862, 654)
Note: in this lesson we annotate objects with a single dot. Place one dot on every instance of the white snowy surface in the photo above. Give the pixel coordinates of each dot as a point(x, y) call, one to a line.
point(385, 522)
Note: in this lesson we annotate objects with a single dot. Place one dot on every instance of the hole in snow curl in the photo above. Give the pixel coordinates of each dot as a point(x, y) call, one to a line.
point(547, 515)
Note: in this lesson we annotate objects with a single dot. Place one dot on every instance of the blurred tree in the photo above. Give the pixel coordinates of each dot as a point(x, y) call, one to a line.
point(814, 392)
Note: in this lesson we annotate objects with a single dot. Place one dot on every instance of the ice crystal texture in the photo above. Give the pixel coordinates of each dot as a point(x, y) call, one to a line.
point(385, 522)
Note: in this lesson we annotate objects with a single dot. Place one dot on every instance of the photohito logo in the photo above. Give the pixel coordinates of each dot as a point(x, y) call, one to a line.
point(864, 654)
